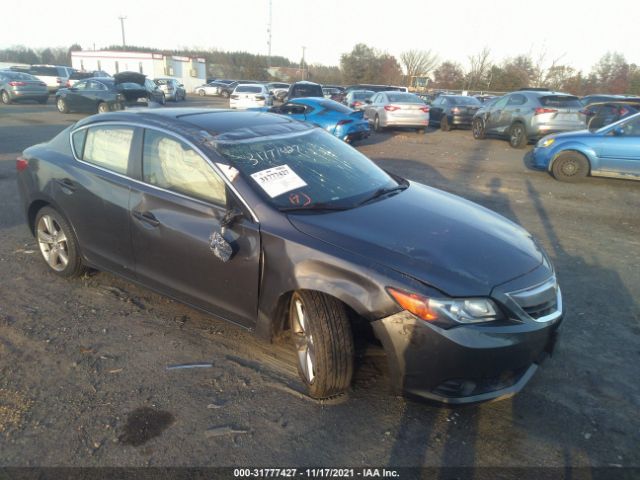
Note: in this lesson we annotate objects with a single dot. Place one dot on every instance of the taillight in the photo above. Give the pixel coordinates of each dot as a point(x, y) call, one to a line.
point(540, 110)
point(356, 104)
point(68, 84)
point(391, 108)
point(21, 164)
point(455, 110)
point(59, 80)
point(17, 84)
point(425, 109)
point(344, 122)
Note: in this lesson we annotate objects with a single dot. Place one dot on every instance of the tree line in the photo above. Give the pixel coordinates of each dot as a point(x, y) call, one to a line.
point(413, 68)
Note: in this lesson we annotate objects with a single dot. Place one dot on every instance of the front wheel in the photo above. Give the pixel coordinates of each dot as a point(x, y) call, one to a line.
point(477, 127)
point(517, 136)
point(376, 123)
point(58, 244)
point(201, 93)
point(323, 341)
point(570, 167)
point(225, 94)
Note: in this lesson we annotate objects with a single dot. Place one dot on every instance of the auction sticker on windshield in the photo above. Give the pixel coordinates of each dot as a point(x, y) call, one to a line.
point(278, 180)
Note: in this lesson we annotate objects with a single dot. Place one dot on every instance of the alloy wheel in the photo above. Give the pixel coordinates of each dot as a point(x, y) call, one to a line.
point(53, 243)
point(303, 340)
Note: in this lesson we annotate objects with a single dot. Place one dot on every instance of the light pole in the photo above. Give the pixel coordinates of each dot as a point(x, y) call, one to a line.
point(122, 19)
point(302, 63)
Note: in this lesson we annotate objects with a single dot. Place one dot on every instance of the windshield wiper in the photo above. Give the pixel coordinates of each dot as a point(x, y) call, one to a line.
point(381, 192)
point(314, 207)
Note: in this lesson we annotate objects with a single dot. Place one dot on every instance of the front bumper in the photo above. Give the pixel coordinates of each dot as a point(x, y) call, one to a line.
point(464, 364)
point(542, 157)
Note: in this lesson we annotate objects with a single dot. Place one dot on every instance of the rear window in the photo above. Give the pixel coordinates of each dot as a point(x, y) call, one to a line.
point(465, 100)
point(249, 89)
point(336, 107)
point(362, 95)
point(130, 86)
point(307, 91)
point(561, 101)
point(404, 98)
point(17, 76)
point(46, 71)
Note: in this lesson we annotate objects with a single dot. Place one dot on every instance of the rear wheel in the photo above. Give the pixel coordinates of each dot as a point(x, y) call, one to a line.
point(517, 136)
point(570, 167)
point(323, 341)
point(6, 99)
point(225, 94)
point(103, 107)
point(201, 93)
point(163, 99)
point(444, 124)
point(477, 127)
point(61, 105)
point(376, 123)
point(58, 244)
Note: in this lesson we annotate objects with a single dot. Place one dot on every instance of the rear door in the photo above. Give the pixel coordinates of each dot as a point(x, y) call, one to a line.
point(94, 194)
point(620, 153)
point(76, 97)
point(176, 218)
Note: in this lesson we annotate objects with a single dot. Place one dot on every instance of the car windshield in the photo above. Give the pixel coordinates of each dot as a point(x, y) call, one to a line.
point(404, 98)
point(465, 101)
point(312, 170)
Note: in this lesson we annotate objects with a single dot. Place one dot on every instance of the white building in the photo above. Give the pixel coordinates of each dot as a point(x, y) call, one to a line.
point(190, 71)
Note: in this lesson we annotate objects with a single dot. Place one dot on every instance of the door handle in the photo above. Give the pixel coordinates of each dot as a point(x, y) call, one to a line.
point(146, 217)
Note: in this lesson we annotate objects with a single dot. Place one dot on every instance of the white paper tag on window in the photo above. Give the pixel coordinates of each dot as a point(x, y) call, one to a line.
point(278, 180)
point(228, 171)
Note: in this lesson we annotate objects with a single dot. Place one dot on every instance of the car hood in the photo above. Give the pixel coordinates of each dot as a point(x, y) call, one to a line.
point(129, 77)
point(440, 239)
point(572, 135)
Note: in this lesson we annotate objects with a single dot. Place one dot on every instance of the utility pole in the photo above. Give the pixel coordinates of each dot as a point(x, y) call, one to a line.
point(122, 19)
point(302, 62)
point(269, 33)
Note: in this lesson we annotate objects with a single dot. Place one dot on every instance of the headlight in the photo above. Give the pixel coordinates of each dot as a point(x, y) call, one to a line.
point(447, 312)
point(546, 142)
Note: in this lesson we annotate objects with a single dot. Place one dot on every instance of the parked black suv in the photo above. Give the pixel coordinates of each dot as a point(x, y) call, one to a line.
point(304, 89)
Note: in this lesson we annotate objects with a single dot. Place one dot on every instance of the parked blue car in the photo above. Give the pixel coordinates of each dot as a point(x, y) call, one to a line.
point(337, 119)
point(611, 151)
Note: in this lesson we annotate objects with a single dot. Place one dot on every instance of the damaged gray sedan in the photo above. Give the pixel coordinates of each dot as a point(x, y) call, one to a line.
point(278, 227)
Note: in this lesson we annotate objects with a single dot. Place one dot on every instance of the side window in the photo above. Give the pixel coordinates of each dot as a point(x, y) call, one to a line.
point(78, 138)
point(81, 85)
point(108, 147)
point(501, 103)
point(632, 128)
point(171, 164)
point(517, 100)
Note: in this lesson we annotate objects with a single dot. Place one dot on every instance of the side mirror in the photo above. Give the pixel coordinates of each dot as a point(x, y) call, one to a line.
point(368, 101)
point(618, 131)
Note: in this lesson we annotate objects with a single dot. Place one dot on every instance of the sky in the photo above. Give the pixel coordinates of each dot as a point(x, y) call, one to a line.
point(576, 32)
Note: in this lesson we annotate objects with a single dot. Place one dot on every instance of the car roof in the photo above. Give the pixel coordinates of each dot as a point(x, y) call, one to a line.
point(212, 121)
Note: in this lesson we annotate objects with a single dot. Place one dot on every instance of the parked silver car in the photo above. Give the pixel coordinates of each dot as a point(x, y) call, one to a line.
point(397, 109)
point(16, 86)
point(172, 88)
point(528, 115)
point(211, 88)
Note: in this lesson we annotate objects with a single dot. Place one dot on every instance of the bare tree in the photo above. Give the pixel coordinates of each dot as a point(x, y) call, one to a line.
point(480, 68)
point(418, 63)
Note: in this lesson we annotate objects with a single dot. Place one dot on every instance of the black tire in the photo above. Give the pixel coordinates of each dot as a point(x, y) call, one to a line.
point(570, 167)
point(163, 99)
point(327, 327)
point(202, 93)
point(69, 246)
point(444, 124)
point(225, 94)
point(6, 99)
point(477, 127)
point(518, 136)
point(103, 107)
point(61, 105)
point(376, 123)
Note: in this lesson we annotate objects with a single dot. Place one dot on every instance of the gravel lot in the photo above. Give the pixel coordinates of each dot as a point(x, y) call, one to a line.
point(83, 363)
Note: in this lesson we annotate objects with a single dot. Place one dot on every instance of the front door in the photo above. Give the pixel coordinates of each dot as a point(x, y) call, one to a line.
point(175, 220)
point(619, 152)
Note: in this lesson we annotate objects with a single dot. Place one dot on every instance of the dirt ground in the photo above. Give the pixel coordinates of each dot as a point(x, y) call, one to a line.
point(86, 373)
